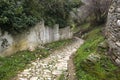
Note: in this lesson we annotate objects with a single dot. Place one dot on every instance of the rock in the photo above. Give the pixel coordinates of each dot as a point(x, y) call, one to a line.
point(117, 61)
point(112, 8)
point(118, 9)
point(118, 44)
point(93, 57)
point(118, 22)
point(23, 79)
point(31, 48)
point(103, 45)
point(118, 53)
point(34, 63)
point(33, 78)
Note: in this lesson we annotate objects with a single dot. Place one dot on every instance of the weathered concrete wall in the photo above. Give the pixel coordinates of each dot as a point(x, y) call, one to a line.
point(113, 31)
point(40, 34)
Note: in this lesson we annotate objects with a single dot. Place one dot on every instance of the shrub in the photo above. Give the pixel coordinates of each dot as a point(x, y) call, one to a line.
point(17, 15)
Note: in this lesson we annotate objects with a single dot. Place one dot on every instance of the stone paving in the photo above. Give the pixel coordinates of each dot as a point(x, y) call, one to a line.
point(51, 67)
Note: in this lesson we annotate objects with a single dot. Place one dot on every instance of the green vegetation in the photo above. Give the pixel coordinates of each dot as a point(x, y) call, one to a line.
point(9, 66)
point(57, 44)
point(85, 26)
point(101, 69)
point(17, 15)
point(62, 77)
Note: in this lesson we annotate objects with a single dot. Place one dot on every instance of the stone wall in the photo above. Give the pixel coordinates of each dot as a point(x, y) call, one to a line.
point(113, 31)
point(35, 37)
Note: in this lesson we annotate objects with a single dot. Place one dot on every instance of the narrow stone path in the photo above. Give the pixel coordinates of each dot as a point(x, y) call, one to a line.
point(51, 67)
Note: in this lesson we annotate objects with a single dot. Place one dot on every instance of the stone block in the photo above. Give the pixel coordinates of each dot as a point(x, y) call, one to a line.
point(118, 22)
point(117, 61)
point(118, 44)
point(112, 8)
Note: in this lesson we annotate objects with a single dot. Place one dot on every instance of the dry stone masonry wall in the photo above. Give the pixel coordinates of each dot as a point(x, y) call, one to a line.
point(113, 31)
point(35, 37)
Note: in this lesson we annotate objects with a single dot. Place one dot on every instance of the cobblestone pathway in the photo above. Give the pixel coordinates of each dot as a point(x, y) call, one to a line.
point(51, 67)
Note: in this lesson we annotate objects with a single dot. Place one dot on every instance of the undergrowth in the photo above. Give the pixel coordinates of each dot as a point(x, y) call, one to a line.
point(57, 44)
point(102, 69)
point(10, 66)
point(62, 77)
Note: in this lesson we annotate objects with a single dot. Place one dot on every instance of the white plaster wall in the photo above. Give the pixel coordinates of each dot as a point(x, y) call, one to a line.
point(65, 33)
point(6, 41)
point(36, 36)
